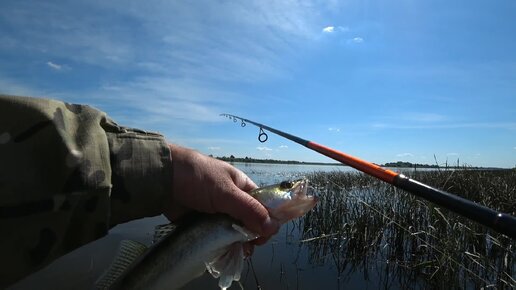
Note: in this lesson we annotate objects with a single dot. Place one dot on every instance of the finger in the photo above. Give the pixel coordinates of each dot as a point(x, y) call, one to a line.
point(242, 181)
point(248, 210)
point(175, 212)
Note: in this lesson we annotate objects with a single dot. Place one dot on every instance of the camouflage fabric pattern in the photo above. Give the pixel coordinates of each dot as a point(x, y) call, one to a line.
point(67, 174)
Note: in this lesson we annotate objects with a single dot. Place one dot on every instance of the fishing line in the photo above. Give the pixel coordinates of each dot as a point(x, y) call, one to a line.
point(254, 274)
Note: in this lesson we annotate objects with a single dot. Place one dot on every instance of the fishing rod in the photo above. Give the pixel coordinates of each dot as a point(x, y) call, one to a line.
point(498, 221)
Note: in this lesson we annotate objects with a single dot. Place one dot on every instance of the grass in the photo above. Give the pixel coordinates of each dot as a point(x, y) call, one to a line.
point(363, 224)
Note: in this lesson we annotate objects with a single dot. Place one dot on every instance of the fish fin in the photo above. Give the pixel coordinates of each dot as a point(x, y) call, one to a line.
point(247, 233)
point(228, 266)
point(128, 252)
point(161, 231)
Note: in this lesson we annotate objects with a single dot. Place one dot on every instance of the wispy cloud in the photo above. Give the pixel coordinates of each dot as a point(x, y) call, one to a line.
point(414, 120)
point(223, 47)
point(406, 154)
point(286, 147)
point(263, 148)
point(484, 125)
point(214, 148)
point(332, 129)
point(13, 87)
point(424, 117)
point(206, 142)
point(175, 66)
point(219, 48)
point(54, 65)
point(343, 29)
point(356, 40)
point(161, 100)
point(57, 67)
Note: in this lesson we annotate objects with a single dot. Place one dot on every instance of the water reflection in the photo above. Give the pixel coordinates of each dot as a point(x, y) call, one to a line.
point(264, 174)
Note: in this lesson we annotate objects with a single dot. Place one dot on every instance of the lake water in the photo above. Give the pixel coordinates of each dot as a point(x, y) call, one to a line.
point(282, 263)
point(263, 173)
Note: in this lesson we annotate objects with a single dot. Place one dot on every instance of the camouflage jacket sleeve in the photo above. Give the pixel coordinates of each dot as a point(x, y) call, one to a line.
point(67, 174)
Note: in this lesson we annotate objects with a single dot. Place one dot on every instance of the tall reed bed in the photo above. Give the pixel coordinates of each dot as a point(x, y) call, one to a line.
point(362, 224)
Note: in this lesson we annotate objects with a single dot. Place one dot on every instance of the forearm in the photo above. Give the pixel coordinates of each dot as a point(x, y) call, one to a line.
point(67, 174)
point(141, 166)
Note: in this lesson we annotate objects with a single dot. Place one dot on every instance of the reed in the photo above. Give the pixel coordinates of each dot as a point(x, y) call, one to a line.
point(362, 224)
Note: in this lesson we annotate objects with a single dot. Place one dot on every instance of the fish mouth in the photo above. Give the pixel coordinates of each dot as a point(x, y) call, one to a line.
point(302, 191)
point(300, 188)
point(300, 202)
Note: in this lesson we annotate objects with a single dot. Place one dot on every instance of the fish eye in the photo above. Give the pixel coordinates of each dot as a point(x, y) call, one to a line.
point(286, 184)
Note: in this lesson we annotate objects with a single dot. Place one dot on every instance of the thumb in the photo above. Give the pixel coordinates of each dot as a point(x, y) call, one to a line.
point(245, 208)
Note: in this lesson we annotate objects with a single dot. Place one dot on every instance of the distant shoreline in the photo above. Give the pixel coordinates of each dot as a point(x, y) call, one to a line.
point(273, 161)
point(398, 164)
point(402, 164)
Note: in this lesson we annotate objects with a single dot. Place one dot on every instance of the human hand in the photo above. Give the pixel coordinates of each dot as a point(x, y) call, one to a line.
point(209, 185)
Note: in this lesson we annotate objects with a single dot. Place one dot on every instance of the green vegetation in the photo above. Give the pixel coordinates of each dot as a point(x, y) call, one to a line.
point(363, 224)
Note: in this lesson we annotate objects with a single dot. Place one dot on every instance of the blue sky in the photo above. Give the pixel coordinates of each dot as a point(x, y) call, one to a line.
point(381, 80)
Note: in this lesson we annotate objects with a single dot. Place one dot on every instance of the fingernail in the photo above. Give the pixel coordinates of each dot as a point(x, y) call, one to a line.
point(270, 226)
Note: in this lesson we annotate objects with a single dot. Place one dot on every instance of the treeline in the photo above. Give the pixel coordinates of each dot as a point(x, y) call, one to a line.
point(409, 165)
point(418, 165)
point(270, 161)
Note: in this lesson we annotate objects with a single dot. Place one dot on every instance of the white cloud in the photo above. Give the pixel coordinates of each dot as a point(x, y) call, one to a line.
point(514, 147)
point(286, 147)
point(260, 148)
point(328, 29)
point(356, 40)
point(332, 129)
point(405, 155)
point(333, 29)
point(214, 148)
point(54, 65)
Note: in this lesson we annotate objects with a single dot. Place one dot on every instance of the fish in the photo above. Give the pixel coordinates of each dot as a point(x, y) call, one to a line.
point(204, 242)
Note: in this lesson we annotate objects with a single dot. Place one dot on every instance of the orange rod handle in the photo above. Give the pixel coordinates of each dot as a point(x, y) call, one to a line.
point(357, 163)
